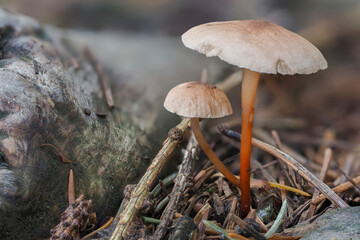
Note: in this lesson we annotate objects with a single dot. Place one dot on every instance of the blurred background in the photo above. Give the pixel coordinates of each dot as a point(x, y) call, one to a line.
point(324, 102)
point(173, 17)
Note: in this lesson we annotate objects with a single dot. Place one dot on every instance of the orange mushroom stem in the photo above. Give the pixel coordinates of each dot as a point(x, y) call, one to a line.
point(248, 94)
point(195, 126)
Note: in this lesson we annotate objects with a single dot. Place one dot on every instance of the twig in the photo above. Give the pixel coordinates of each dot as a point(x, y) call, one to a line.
point(291, 162)
point(357, 189)
point(231, 211)
point(297, 213)
point(71, 187)
point(326, 164)
point(306, 174)
point(341, 188)
point(102, 77)
point(208, 173)
point(284, 169)
point(264, 136)
point(63, 158)
point(264, 166)
point(142, 189)
point(261, 134)
point(348, 167)
point(178, 189)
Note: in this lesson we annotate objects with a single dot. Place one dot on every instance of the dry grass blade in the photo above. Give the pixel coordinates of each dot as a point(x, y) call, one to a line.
point(143, 187)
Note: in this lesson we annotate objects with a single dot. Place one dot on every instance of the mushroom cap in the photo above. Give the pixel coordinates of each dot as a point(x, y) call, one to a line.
point(258, 45)
point(197, 99)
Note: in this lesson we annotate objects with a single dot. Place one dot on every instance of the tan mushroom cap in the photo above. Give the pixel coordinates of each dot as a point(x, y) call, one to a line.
point(258, 45)
point(197, 99)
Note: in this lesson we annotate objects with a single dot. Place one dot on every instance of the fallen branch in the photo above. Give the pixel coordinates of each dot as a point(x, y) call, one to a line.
point(143, 187)
point(179, 188)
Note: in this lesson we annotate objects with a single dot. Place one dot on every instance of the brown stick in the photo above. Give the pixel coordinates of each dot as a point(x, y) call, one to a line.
point(178, 189)
point(341, 188)
point(142, 188)
point(306, 174)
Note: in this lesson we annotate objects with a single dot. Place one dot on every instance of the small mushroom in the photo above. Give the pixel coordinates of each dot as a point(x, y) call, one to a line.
point(258, 47)
point(201, 100)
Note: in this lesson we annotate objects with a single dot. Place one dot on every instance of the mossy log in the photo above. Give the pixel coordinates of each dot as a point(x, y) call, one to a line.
point(47, 82)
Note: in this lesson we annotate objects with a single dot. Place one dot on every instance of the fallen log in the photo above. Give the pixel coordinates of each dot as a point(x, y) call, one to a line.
point(53, 107)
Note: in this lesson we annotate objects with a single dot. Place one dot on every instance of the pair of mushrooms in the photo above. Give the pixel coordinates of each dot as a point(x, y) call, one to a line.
point(256, 46)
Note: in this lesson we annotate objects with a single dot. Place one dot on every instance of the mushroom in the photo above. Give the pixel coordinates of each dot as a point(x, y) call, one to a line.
point(201, 100)
point(257, 46)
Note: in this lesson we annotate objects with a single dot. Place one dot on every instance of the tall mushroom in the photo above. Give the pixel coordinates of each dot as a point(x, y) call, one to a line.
point(257, 46)
point(201, 100)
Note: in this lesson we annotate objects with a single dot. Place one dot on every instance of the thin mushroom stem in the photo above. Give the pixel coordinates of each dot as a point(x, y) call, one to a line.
point(195, 126)
point(248, 94)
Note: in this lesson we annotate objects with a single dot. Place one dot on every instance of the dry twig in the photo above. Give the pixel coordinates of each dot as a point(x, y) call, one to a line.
point(179, 188)
point(142, 188)
point(341, 188)
point(306, 174)
point(291, 162)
